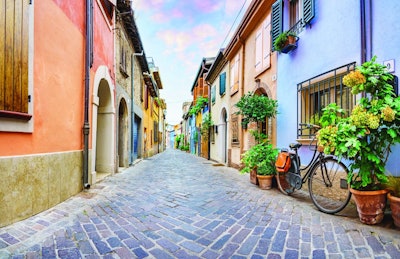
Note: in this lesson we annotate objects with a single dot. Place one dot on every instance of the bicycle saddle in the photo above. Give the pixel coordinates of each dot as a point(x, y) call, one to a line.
point(295, 145)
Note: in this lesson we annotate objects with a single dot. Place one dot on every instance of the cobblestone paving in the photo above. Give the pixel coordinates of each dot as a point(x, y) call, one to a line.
point(177, 205)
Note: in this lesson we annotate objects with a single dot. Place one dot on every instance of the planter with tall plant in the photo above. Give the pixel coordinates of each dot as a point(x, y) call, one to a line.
point(255, 108)
point(365, 137)
point(261, 158)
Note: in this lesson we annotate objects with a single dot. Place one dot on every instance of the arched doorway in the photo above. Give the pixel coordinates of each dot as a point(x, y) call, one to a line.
point(102, 160)
point(123, 156)
point(266, 126)
point(223, 136)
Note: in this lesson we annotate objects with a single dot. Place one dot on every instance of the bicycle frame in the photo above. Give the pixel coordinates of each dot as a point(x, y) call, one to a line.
point(306, 168)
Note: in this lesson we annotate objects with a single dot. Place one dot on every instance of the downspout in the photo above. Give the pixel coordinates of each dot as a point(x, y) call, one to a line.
point(366, 30)
point(209, 112)
point(363, 53)
point(132, 108)
point(242, 88)
point(88, 64)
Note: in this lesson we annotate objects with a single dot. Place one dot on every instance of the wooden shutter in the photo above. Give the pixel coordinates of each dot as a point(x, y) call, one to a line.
point(277, 19)
point(308, 10)
point(266, 44)
point(259, 50)
point(14, 56)
point(213, 94)
point(222, 83)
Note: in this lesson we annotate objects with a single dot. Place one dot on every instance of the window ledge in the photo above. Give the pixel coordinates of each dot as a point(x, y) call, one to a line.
point(15, 115)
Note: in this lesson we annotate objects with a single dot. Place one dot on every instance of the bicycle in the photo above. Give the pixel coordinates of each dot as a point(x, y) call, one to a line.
point(326, 176)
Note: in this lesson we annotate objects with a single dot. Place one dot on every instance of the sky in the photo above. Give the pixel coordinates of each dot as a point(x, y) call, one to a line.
point(177, 34)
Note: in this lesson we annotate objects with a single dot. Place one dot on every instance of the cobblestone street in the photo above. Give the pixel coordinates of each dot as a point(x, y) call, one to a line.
point(177, 205)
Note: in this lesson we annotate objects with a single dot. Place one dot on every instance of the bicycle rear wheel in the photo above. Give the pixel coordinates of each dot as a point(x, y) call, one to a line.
point(327, 185)
point(283, 184)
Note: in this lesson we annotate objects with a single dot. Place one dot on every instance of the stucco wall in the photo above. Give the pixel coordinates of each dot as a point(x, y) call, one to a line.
point(217, 151)
point(331, 41)
point(29, 185)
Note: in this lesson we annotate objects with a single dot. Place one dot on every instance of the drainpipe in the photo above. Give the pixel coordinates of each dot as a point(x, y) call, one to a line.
point(209, 112)
point(363, 32)
point(88, 64)
point(243, 58)
point(132, 109)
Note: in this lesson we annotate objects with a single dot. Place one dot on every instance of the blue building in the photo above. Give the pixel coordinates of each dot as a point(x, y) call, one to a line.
point(333, 38)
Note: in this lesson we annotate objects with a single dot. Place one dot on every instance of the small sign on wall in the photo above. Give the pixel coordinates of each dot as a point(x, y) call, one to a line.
point(389, 65)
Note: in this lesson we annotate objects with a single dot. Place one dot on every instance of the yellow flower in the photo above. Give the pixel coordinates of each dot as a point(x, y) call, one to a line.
point(354, 78)
point(373, 121)
point(388, 114)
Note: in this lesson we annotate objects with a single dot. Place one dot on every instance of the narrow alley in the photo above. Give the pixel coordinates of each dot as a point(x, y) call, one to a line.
point(177, 205)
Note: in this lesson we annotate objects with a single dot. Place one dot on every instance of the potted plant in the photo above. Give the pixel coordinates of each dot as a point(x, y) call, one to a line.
point(285, 42)
point(393, 185)
point(266, 169)
point(261, 159)
point(255, 108)
point(366, 136)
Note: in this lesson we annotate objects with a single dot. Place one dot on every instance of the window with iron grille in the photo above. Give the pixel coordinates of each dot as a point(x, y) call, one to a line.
point(316, 93)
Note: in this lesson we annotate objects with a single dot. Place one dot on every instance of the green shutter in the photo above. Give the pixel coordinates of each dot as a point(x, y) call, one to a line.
point(277, 20)
point(308, 11)
point(222, 83)
point(213, 94)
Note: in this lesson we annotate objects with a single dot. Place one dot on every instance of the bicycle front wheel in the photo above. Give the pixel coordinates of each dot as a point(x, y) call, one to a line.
point(327, 185)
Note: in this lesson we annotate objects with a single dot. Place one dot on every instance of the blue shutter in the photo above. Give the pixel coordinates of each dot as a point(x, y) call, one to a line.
point(308, 11)
point(222, 83)
point(213, 94)
point(277, 21)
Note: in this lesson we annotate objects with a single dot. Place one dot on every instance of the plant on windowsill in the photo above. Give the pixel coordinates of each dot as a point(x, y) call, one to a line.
point(365, 138)
point(285, 42)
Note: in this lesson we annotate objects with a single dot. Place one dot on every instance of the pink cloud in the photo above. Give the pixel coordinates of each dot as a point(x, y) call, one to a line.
point(208, 6)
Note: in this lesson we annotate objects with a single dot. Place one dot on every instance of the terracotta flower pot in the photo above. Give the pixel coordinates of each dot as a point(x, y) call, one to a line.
point(395, 207)
point(370, 205)
point(265, 181)
point(253, 176)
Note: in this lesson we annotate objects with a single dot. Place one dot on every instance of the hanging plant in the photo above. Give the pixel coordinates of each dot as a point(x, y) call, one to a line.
point(256, 108)
point(206, 125)
point(201, 102)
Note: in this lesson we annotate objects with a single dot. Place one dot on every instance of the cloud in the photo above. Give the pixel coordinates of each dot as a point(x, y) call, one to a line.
point(208, 6)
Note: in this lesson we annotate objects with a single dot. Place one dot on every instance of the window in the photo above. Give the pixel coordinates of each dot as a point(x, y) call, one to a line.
point(295, 11)
point(263, 46)
point(146, 97)
point(316, 93)
point(123, 62)
point(222, 84)
point(301, 12)
point(155, 130)
point(235, 128)
point(235, 75)
point(108, 9)
point(14, 33)
point(213, 93)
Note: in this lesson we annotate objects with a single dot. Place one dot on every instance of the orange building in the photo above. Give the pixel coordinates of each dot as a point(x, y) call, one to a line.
point(57, 112)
